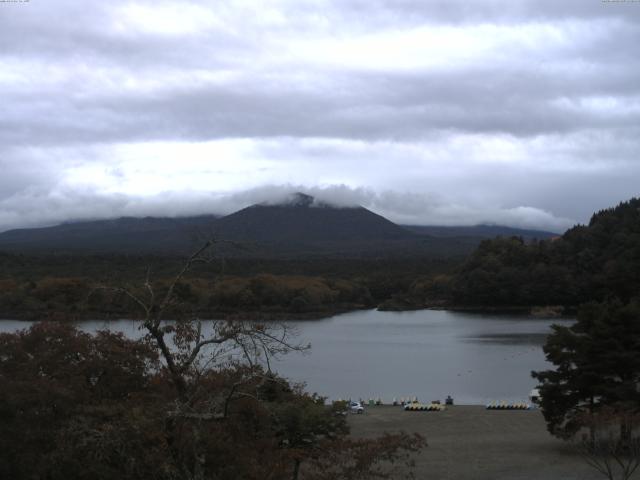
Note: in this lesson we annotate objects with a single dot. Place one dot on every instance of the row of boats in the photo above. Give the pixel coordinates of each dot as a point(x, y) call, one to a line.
point(412, 404)
point(508, 406)
point(423, 407)
point(437, 407)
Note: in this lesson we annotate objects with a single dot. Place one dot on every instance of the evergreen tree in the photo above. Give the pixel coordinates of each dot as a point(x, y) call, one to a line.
point(592, 262)
point(597, 365)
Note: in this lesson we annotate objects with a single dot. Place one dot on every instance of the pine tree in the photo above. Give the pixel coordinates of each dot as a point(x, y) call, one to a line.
point(597, 364)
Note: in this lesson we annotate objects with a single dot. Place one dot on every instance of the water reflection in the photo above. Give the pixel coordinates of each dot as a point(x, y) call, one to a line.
point(429, 354)
point(508, 339)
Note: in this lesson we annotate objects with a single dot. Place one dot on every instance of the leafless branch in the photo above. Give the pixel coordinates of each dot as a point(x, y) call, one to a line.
point(607, 449)
point(182, 352)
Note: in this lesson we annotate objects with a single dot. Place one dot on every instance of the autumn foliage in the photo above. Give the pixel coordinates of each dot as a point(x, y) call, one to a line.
point(79, 406)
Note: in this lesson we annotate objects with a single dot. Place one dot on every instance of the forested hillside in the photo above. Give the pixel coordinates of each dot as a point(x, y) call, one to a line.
point(591, 262)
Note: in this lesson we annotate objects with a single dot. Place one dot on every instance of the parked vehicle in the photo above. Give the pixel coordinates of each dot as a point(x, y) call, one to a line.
point(356, 407)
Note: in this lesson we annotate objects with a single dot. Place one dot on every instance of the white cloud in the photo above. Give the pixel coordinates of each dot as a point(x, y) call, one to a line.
point(163, 18)
point(150, 168)
point(433, 46)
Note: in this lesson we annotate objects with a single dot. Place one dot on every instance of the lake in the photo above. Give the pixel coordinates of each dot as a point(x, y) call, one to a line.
point(475, 358)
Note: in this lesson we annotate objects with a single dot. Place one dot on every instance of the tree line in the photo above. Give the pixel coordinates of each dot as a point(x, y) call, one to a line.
point(588, 263)
point(51, 287)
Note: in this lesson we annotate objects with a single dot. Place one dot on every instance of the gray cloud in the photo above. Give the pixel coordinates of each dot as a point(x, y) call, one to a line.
point(523, 113)
point(391, 12)
point(526, 90)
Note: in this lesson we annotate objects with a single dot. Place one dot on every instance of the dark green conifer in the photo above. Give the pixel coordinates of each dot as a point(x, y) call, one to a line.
point(597, 365)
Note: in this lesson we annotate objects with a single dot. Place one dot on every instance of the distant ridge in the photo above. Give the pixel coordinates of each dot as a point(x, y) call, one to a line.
point(120, 235)
point(480, 231)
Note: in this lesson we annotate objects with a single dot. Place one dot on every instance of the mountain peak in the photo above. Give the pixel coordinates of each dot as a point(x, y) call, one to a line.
point(296, 199)
point(299, 199)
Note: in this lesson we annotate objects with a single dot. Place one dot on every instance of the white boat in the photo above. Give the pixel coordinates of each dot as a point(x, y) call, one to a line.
point(534, 396)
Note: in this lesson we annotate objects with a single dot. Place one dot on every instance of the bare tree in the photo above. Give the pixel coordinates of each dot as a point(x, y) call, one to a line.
point(612, 446)
point(222, 390)
point(191, 349)
point(186, 347)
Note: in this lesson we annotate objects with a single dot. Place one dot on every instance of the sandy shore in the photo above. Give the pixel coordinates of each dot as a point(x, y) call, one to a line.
point(469, 442)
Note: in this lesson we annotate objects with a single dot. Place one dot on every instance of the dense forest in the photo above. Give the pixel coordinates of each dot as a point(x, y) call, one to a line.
point(68, 287)
point(589, 262)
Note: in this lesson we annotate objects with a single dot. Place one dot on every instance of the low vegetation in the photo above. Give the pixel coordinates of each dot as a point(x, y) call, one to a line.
point(63, 288)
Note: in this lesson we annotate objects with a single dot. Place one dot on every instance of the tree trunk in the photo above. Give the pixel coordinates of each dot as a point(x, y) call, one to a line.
point(296, 469)
point(592, 426)
point(625, 435)
point(199, 457)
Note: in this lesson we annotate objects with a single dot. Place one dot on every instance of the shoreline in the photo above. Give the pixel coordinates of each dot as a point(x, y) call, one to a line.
point(542, 312)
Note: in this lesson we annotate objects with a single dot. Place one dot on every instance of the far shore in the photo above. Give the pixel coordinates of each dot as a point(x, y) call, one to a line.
point(548, 312)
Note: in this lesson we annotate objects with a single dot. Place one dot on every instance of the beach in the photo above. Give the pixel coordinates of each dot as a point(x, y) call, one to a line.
point(470, 442)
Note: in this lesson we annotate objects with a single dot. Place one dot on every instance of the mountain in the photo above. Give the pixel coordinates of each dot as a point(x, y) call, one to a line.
point(298, 227)
point(303, 222)
point(302, 226)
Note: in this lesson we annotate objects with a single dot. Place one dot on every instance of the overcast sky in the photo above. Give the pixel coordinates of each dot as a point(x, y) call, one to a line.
point(525, 113)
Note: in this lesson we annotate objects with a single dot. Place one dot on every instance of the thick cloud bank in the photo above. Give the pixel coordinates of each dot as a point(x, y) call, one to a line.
point(451, 112)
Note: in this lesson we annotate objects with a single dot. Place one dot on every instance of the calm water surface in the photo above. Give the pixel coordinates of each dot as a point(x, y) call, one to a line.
point(428, 354)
